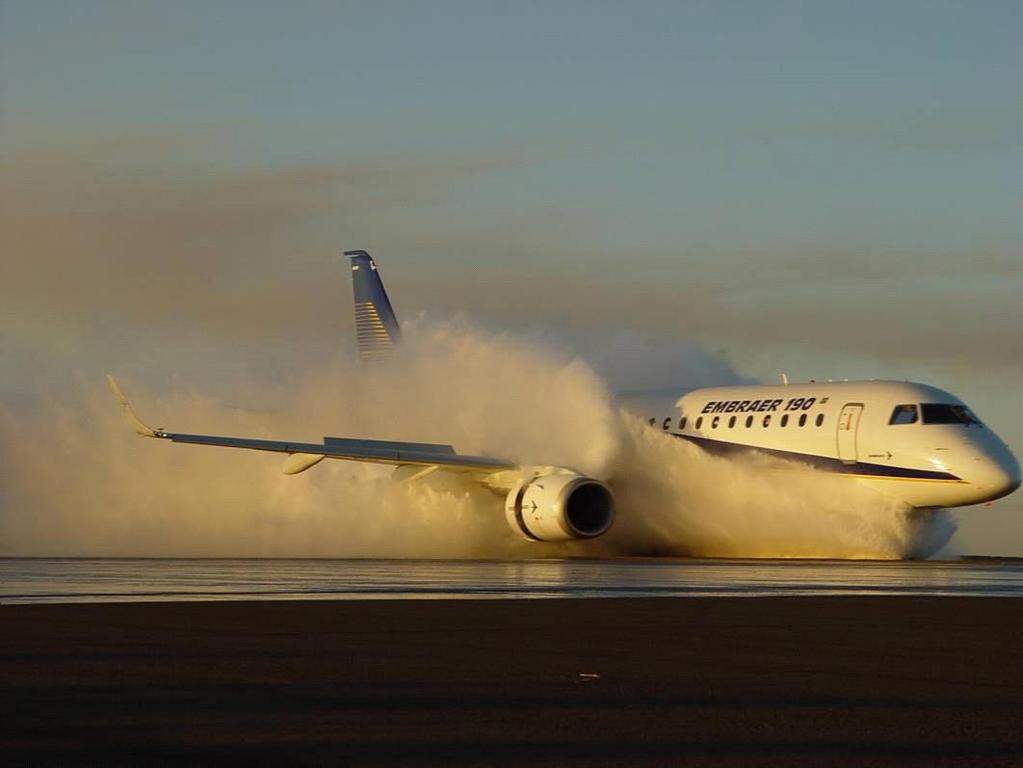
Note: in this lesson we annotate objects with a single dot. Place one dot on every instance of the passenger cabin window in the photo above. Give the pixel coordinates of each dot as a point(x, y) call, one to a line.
point(785, 420)
point(667, 422)
point(699, 422)
point(731, 422)
point(802, 419)
point(820, 419)
point(767, 420)
point(749, 422)
point(652, 421)
point(715, 422)
point(903, 414)
point(682, 424)
point(942, 413)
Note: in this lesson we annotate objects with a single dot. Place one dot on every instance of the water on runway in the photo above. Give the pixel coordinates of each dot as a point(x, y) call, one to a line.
point(51, 580)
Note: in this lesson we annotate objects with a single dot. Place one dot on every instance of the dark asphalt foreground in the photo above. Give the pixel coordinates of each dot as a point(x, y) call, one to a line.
point(738, 682)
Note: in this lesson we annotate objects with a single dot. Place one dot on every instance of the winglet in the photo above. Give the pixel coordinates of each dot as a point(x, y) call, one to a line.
point(129, 413)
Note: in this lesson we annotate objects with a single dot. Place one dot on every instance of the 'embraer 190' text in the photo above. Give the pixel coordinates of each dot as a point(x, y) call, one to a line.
point(758, 406)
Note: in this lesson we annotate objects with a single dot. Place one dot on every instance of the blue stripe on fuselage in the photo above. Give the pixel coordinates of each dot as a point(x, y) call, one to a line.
point(825, 463)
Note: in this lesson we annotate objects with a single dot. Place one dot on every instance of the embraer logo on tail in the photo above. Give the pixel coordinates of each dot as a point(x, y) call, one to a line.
point(758, 406)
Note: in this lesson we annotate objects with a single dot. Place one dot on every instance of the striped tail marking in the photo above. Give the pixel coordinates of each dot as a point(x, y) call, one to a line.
point(376, 327)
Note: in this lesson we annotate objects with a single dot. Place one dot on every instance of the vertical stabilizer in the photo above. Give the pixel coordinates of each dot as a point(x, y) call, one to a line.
point(376, 327)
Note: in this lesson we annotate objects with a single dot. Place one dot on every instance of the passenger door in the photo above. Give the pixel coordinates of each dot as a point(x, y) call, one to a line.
point(848, 423)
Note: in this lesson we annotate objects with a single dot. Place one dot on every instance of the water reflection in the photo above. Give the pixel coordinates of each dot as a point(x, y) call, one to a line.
point(103, 580)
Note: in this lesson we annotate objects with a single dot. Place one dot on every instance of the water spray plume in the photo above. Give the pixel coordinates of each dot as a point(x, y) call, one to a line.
point(82, 484)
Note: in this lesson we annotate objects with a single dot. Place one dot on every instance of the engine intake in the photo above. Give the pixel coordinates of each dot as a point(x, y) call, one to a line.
point(560, 507)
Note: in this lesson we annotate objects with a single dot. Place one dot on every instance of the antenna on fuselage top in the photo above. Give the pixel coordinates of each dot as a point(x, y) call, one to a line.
point(784, 379)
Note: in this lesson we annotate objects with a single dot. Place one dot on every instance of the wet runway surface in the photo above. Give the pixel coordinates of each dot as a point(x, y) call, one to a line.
point(62, 580)
point(773, 681)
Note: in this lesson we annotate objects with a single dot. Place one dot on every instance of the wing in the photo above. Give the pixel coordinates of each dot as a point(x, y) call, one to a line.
point(302, 456)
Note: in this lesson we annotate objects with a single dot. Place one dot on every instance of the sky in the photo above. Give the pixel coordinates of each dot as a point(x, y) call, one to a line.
point(829, 189)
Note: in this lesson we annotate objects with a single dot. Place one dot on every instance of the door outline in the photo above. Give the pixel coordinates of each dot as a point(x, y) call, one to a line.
point(847, 430)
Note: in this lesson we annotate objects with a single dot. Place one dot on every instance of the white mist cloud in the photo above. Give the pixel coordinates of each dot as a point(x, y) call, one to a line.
point(678, 499)
point(81, 484)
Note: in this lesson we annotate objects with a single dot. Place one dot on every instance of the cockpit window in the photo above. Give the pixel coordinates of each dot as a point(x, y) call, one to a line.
point(903, 414)
point(943, 413)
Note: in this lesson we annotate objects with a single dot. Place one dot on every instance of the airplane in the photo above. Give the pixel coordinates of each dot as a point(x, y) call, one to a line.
point(914, 442)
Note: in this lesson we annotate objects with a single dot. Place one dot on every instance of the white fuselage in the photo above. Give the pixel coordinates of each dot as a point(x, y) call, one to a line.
point(911, 441)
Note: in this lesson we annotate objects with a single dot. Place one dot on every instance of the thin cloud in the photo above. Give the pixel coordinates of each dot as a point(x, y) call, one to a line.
point(232, 252)
point(102, 245)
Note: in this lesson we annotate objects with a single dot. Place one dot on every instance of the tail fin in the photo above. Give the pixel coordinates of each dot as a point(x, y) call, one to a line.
point(376, 327)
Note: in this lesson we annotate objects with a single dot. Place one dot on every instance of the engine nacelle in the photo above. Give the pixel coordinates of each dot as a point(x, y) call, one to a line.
point(560, 507)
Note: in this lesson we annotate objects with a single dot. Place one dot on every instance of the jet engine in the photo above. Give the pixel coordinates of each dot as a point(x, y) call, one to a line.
point(560, 507)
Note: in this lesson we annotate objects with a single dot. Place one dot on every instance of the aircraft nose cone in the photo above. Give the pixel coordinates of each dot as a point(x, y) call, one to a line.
point(1001, 475)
